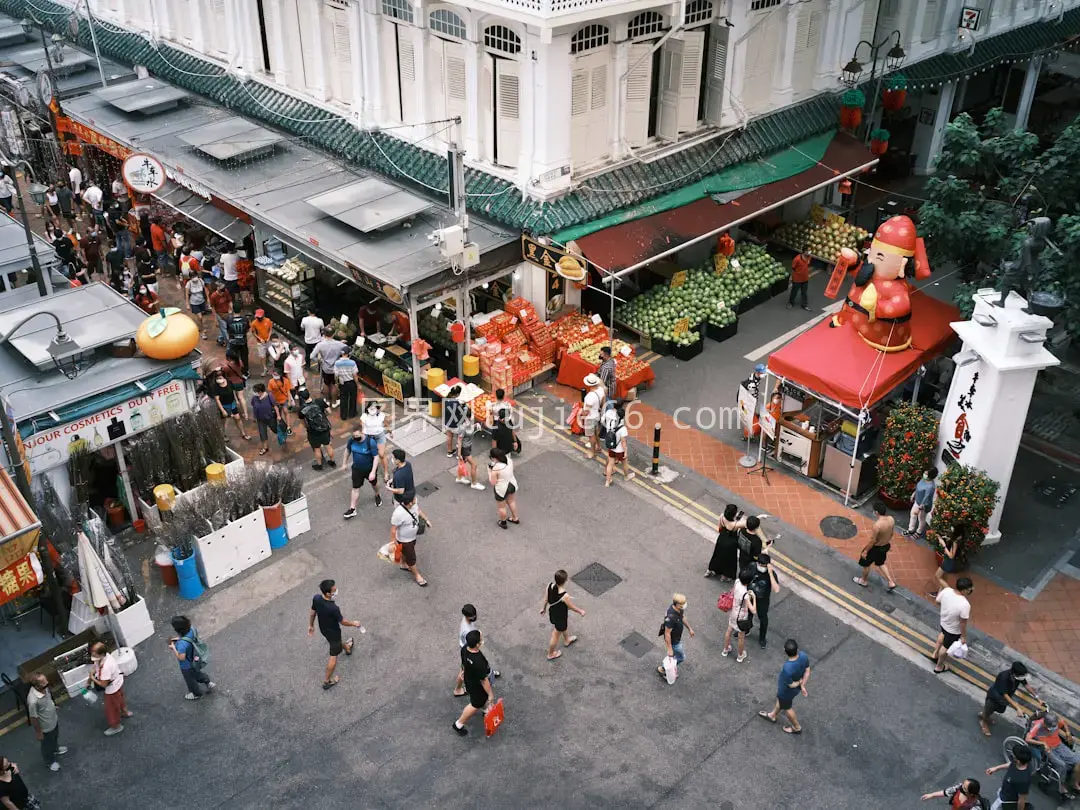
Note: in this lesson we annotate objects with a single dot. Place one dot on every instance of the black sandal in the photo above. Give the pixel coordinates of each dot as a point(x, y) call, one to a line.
point(502, 524)
point(331, 683)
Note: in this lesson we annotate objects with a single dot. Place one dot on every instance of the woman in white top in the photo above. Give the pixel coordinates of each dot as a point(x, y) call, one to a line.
point(373, 421)
point(743, 608)
point(501, 477)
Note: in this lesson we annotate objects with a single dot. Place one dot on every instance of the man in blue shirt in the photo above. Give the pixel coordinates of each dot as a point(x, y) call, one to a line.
point(364, 450)
point(922, 503)
point(401, 483)
point(792, 680)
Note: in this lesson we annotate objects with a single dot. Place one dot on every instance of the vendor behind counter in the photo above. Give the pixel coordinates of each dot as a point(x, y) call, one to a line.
point(376, 316)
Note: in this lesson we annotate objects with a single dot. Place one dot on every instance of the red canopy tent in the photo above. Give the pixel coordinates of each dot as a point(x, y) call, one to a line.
point(836, 364)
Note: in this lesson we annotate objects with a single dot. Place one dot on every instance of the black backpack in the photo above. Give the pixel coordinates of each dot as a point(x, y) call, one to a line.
point(611, 437)
point(761, 586)
point(237, 327)
point(315, 418)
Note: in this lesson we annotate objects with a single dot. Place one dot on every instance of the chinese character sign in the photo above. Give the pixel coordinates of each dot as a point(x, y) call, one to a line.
point(144, 173)
point(20, 577)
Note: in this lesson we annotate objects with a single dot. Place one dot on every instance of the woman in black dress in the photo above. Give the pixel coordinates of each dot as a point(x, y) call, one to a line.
point(557, 604)
point(724, 562)
point(13, 791)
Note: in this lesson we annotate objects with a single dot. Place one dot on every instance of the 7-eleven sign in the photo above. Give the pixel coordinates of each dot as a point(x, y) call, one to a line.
point(969, 18)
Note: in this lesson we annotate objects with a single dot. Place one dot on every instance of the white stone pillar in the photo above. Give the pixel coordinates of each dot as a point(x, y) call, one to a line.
point(356, 46)
point(619, 148)
point(1027, 93)
point(552, 89)
point(830, 60)
point(941, 120)
point(991, 390)
point(280, 56)
point(783, 82)
point(372, 71)
point(311, 24)
point(476, 117)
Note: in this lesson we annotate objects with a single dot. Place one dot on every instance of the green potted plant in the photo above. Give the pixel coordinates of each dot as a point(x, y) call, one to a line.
point(966, 498)
point(907, 449)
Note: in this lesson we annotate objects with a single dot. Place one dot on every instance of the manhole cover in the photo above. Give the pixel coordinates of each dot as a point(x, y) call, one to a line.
point(636, 644)
point(838, 528)
point(596, 579)
point(1055, 493)
point(426, 488)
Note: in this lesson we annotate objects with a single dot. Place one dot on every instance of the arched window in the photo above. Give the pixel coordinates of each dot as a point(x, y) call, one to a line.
point(698, 11)
point(588, 38)
point(502, 39)
point(444, 21)
point(398, 9)
point(645, 24)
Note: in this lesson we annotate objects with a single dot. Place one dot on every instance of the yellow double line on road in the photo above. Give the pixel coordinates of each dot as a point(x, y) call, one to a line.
point(21, 721)
point(879, 619)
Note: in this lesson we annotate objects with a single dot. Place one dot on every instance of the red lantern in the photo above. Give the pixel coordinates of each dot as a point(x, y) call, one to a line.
point(878, 148)
point(725, 245)
point(850, 117)
point(845, 186)
point(893, 100)
point(457, 332)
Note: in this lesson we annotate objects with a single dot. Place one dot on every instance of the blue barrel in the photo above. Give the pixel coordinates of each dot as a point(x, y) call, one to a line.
point(278, 537)
point(187, 574)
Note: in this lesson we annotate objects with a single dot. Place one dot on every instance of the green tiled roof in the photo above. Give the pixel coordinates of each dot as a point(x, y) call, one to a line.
point(1008, 46)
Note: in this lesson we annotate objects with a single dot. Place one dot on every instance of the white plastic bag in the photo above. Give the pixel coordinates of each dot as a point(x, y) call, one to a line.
point(958, 650)
point(90, 696)
point(386, 553)
point(671, 669)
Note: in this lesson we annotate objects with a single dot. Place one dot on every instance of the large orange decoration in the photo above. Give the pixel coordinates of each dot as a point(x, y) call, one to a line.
point(169, 335)
point(878, 305)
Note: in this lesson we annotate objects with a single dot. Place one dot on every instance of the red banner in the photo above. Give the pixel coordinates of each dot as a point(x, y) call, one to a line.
point(20, 577)
point(92, 137)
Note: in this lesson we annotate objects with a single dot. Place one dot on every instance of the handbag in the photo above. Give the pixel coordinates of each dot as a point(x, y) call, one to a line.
point(391, 552)
point(574, 421)
point(462, 469)
point(494, 717)
point(747, 624)
point(725, 602)
point(419, 523)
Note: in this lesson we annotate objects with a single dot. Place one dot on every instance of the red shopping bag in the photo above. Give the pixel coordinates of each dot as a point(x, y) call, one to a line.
point(493, 718)
point(462, 469)
point(725, 602)
point(574, 422)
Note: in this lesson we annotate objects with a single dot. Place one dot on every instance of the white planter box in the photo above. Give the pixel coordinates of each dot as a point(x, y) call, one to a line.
point(75, 679)
point(83, 617)
point(149, 513)
point(297, 520)
point(237, 547)
point(132, 625)
point(234, 464)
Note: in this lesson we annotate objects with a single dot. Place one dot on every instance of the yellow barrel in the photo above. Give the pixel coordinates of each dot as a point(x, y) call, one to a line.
point(470, 364)
point(164, 497)
point(435, 378)
point(215, 473)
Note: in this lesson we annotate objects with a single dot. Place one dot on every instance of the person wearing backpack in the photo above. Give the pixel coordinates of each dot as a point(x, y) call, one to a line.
point(236, 327)
point(964, 796)
point(764, 584)
point(615, 444)
point(314, 413)
point(193, 656)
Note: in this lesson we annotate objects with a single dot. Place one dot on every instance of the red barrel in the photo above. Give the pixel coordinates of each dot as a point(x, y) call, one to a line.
point(274, 516)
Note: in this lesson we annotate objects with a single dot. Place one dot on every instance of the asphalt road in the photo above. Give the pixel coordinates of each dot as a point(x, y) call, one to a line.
point(596, 728)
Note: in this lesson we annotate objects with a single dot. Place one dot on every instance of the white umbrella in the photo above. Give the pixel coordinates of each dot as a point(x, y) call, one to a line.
point(95, 579)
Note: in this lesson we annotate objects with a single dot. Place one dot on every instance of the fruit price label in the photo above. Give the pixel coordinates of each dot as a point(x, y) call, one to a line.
point(393, 388)
point(682, 326)
point(817, 214)
point(835, 219)
point(678, 279)
point(720, 263)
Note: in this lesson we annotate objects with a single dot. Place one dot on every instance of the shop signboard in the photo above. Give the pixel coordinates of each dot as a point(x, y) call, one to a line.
point(21, 576)
point(747, 408)
point(548, 256)
point(90, 136)
point(144, 173)
point(817, 214)
point(52, 448)
point(194, 186)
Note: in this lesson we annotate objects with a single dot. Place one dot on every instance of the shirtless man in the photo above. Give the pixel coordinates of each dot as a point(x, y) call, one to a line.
point(877, 549)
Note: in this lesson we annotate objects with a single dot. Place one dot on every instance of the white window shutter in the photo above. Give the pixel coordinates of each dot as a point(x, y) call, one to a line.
point(487, 106)
point(690, 79)
point(454, 54)
point(638, 87)
point(671, 66)
point(342, 67)
point(717, 75)
point(807, 45)
point(507, 113)
point(869, 20)
point(436, 81)
point(579, 114)
point(391, 69)
point(410, 84)
point(931, 24)
point(273, 33)
point(890, 17)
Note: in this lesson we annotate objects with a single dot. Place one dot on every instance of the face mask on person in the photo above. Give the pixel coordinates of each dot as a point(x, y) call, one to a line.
point(276, 378)
point(762, 568)
point(143, 291)
point(334, 595)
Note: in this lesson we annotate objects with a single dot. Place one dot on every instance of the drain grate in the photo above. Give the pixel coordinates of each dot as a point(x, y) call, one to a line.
point(426, 488)
point(596, 579)
point(636, 644)
point(1055, 493)
point(838, 528)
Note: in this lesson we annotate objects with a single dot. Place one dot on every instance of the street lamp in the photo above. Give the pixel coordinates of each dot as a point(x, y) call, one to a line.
point(65, 352)
point(852, 71)
point(35, 263)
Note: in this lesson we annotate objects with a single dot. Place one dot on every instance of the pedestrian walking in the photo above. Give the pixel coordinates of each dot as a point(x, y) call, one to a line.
point(345, 373)
point(237, 329)
point(558, 604)
point(1000, 695)
point(324, 607)
point(455, 416)
point(922, 503)
point(672, 631)
point(500, 417)
point(363, 451)
point(265, 413)
point(476, 672)
point(294, 367)
point(191, 654)
point(764, 584)
point(7, 189)
point(261, 327)
point(800, 279)
point(280, 389)
point(501, 477)
point(724, 562)
point(401, 483)
point(326, 354)
point(236, 375)
point(964, 796)
point(276, 352)
point(741, 615)
point(315, 414)
point(591, 408)
point(955, 612)
point(105, 673)
point(225, 399)
point(949, 548)
point(876, 551)
point(1016, 785)
point(14, 794)
point(43, 717)
point(221, 303)
point(615, 443)
point(789, 684)
point(606, 373)
point(465, 456)
point(405, 526)
point(373, 422)
point(467, 625)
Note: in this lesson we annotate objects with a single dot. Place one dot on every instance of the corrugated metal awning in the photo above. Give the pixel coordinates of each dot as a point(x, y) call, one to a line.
point(196, 208)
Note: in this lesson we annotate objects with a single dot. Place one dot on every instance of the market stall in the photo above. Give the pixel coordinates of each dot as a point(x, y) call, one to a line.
point(579, 340)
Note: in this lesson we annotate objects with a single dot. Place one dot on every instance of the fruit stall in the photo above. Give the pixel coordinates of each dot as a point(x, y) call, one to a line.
point(387, 369)
point(672, 318)
point(580, 339)
point(514, 347)
point(821, 235)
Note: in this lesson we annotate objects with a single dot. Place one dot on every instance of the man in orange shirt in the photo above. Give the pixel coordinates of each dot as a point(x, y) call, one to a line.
point(261, 327)
point(157, 242)
point(280, 390)
point(800, 279)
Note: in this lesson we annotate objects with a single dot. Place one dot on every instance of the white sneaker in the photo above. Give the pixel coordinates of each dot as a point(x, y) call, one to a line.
point(478, 485)
point(191, 696)
point(211, 686)
point(461, 480)
point(54, 767)
point(111, 731)
point(62, 749)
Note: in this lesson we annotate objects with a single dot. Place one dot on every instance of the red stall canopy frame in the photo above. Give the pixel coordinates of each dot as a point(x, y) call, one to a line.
point(838, 365)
